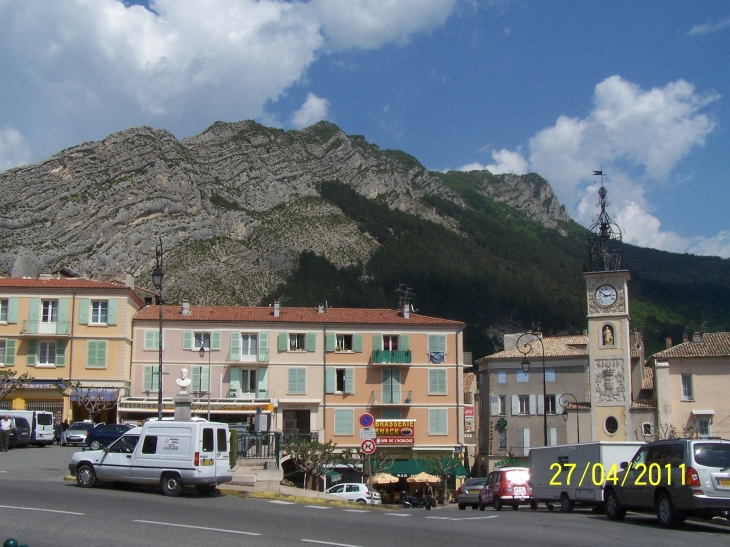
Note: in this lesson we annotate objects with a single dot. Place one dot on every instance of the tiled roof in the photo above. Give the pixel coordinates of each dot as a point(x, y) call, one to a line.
point(469, 378)
point(714, 344)
point(555, 346)
point(62, 283)
point(260, 314)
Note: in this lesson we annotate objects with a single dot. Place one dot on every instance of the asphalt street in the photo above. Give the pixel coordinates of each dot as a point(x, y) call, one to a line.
point(38, 508)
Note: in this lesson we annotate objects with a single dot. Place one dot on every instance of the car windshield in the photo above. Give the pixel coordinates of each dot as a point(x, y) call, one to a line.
point(81, 425)
point(21, 422)
point(712, 454)
point(475, 482)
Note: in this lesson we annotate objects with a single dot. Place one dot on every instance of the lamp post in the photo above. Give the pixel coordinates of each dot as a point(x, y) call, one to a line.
point(565, 412)
point(202, 354)
point(526, 367)
point(157, 276)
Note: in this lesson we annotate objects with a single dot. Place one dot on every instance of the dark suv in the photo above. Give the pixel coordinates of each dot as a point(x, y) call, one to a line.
point(103, 435)
point(19, 433)
point(676, 479)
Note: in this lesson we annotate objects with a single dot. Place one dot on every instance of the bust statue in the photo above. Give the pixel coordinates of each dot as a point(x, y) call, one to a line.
point(183, 381)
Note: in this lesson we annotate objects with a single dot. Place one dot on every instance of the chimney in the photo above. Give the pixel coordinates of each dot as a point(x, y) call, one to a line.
point(185, 306)
point(685, 336)
point(276, 308)
point(697, 338)
point(129, 281)
point(668, 341)
point(320, 308)
point(406, 311)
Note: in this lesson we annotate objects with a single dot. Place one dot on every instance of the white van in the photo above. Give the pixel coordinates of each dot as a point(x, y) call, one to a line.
point(41, 425)
point(168, 454)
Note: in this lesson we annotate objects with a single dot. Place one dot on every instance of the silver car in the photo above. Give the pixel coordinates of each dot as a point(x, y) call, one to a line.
point(468, 493)
point(76, 433)
point(676, 478)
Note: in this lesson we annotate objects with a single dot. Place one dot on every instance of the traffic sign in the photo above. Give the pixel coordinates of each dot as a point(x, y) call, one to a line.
point(368, 446)
point(367, 420)
point(367, 433)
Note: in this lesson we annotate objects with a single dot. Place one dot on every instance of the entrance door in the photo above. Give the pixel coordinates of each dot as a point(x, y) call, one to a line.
point(296, 421)
point(391, 386)
point(116, 463)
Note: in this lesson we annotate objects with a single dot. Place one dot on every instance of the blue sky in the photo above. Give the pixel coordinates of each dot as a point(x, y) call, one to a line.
point(559, 88)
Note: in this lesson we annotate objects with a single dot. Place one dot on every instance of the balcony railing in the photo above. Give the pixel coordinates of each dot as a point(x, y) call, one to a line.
point(468, 398)
point(470, 437)
point(381, 356)
point(392, 398)
point(57, 328)
point(247, 395)
point(466, 359)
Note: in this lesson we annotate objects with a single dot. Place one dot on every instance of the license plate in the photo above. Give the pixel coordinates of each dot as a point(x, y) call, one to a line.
point(207, 462)
point(723, 482)
point(520, 491)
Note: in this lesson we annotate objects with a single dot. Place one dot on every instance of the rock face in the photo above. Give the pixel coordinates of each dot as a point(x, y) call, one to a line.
point(235, 206)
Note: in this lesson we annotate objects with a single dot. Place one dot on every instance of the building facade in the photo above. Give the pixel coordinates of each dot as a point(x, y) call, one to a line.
point(66, 328)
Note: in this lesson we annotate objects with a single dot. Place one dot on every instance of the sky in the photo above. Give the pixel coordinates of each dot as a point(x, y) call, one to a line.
point(640, 90)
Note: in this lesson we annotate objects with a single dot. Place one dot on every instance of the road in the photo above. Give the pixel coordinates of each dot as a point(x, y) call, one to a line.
point(39, 509)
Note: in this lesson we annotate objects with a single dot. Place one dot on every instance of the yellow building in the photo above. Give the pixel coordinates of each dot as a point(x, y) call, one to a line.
point(66, 328)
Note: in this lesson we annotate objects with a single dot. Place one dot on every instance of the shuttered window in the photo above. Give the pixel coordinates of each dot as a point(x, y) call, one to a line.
point(96, 353)
point(152, 340)
point(150, 379)
point(436, 342)
point(344, 419)
point(7, 352)
point(200, 379)
point(437, 423)
point(437, 381)
point(297, 380)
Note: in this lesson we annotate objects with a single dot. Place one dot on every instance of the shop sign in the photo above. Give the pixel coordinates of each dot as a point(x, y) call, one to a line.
point(468, 412)
point(395, 431)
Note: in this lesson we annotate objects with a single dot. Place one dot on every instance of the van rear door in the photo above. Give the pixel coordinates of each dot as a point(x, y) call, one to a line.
point(222, 466)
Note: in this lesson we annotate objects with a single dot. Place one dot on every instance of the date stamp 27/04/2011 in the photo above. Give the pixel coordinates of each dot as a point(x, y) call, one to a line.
point(597, 475)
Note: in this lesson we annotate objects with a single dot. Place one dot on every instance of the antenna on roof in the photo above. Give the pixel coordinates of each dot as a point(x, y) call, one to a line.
point(405, 294)
point(284, 298)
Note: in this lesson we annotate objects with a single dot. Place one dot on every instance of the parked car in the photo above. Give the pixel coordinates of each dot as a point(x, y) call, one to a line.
point(76, 433)
point(352, 491)
point(468, 493)
point(676, 478)
point(507, 486)
point(102, 435)
point(20, 432)
point(169, 455)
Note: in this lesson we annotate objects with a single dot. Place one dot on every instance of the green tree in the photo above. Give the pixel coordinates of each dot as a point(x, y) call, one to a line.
point(311, 458)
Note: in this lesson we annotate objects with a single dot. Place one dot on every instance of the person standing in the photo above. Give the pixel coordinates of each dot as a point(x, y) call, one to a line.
point(428, 495)
point(6, 425)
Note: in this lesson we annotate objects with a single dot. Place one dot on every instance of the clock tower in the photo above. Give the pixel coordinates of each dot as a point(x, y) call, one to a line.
point(608, 329)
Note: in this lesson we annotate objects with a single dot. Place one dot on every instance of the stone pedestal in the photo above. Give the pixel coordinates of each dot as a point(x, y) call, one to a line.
point(182, 401)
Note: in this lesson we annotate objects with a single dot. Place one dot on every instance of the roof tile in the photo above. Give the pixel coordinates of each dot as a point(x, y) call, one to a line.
point(555, 346)
point(714, 344)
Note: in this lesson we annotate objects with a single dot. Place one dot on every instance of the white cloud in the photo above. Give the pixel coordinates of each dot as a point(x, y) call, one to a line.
point(508, 162)
point(313, 110)
point(13, 148)
point(710, 27)
point(476, 166)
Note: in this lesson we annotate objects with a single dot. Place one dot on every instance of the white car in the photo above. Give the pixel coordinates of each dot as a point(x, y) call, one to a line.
point(352, 491)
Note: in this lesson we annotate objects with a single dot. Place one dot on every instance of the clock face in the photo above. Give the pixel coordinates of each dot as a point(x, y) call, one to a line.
point(606, 295)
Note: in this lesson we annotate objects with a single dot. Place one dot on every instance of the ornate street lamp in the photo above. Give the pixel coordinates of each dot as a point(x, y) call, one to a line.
point(157, 277)
point(526, 367)
point(565, 412)
point(202, 354)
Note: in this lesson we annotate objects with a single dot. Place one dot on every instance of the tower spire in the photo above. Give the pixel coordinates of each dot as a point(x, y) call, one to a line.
point(604, 236)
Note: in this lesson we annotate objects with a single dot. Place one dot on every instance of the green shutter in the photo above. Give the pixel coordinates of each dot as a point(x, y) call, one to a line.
point(9, 353)
point(377, 342)
point(344, 418)
point(283, 341)
point(151, 339)
point(437, 421)
point(350, 380)
point(147, 379)
point(156, 378)
point(215, 341)
point(302, 380)
point(235, 346)
point(12, 310)
point(188, 339)
point(291, 380)
point(204, 379)
point(234, 379)
point(330, 377)
point(196, 379)
point(84, 304)
point(311, 341)
point(96, 353)
point(404, 342)
point(432, 422)
point(60, 353)
point(33, 315)
point(436, 342)
point(63, 304)
point(357, 343)
point(263, 347)
point(32, 353)
point(297, 380)
point(329, 342)
point(91, 354)
point(263, 383)
point(437, 382)
point(112, 311)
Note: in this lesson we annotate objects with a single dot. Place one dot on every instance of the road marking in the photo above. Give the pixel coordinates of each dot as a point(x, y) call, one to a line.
point(280, 502)
point(398, 514)
point(199, 528)
point(329, 543)
point(463, 518)
point(316, 507)
point(356, 510)
point(37, 509)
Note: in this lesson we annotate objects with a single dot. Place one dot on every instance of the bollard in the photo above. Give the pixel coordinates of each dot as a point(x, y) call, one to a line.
point(10, 542)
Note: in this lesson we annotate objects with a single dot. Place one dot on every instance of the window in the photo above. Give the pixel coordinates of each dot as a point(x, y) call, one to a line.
point(390, 343)
point(611, 425)
point(550, 406)
point(125, 445)
point(249, 383)
point(200, 379)
point(296, 342)
point(7, 352)
point(99, 311)
point(344, 421)
point(340, 380)
point(437, 381)
point(4, 311)
point(152, 340)
point(344, 342)
point(501, 377)
point(47, 353)
point(437, 343)
point(222, 440)
point(502, 439)
point(150, 378)
point(552, 438)
point(647, 429)
point(390, 383)
point(502, 405)
point(149, 445)
point(523, 377)
point(549, 374)
point(249, 346)
point(2, 351)
point(337, 489)
point(96, 354)
point(523, 442)
point(687, 394)
point(524, 404)
point(202, 339)
point(352, 488)
point(437, 421)
point(704, 427)
point(390, 414)
point(49, 311)
point(296, 380)
point(208, 440)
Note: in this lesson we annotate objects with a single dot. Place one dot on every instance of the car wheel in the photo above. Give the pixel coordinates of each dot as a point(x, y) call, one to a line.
point(85, 476)
point(497, 504)
point(550, 507)
point(668, 516)
point(566, 504)
point(462, 506)
point(360, 501)
point(205, 489)
point(483, 507)
point(614, 511)
point(171, 485)
point(96, 445)
point(533, 505)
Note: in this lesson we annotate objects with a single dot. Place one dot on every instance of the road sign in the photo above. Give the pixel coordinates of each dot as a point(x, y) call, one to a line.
point(368, 446)
point(367, 420)
point(367, 433)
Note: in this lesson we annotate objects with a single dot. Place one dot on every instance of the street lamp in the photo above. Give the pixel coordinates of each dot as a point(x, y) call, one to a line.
point(202, 354)
point(157, 276)
point(565, 412)
point(526, 367)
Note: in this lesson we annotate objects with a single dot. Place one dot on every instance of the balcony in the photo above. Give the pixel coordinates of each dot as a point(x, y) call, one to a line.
point(36, 327)
point(386, 357)
point(247, 395)
point(466, 359)
point(390, 398)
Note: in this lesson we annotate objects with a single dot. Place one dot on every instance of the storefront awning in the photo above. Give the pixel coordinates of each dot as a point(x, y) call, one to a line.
point(96, 395)
point(407, 468)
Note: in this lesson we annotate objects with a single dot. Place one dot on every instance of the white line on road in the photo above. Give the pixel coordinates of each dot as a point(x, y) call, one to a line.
point(398, 514)
point(316, 507)
point(463, 518)
point(37, 509)
point(329, 543)
point(355, 511)
point(280, 502)
point(199, 528)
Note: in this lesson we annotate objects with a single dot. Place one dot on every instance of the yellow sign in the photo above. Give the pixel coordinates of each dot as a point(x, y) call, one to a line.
point(395, 431)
